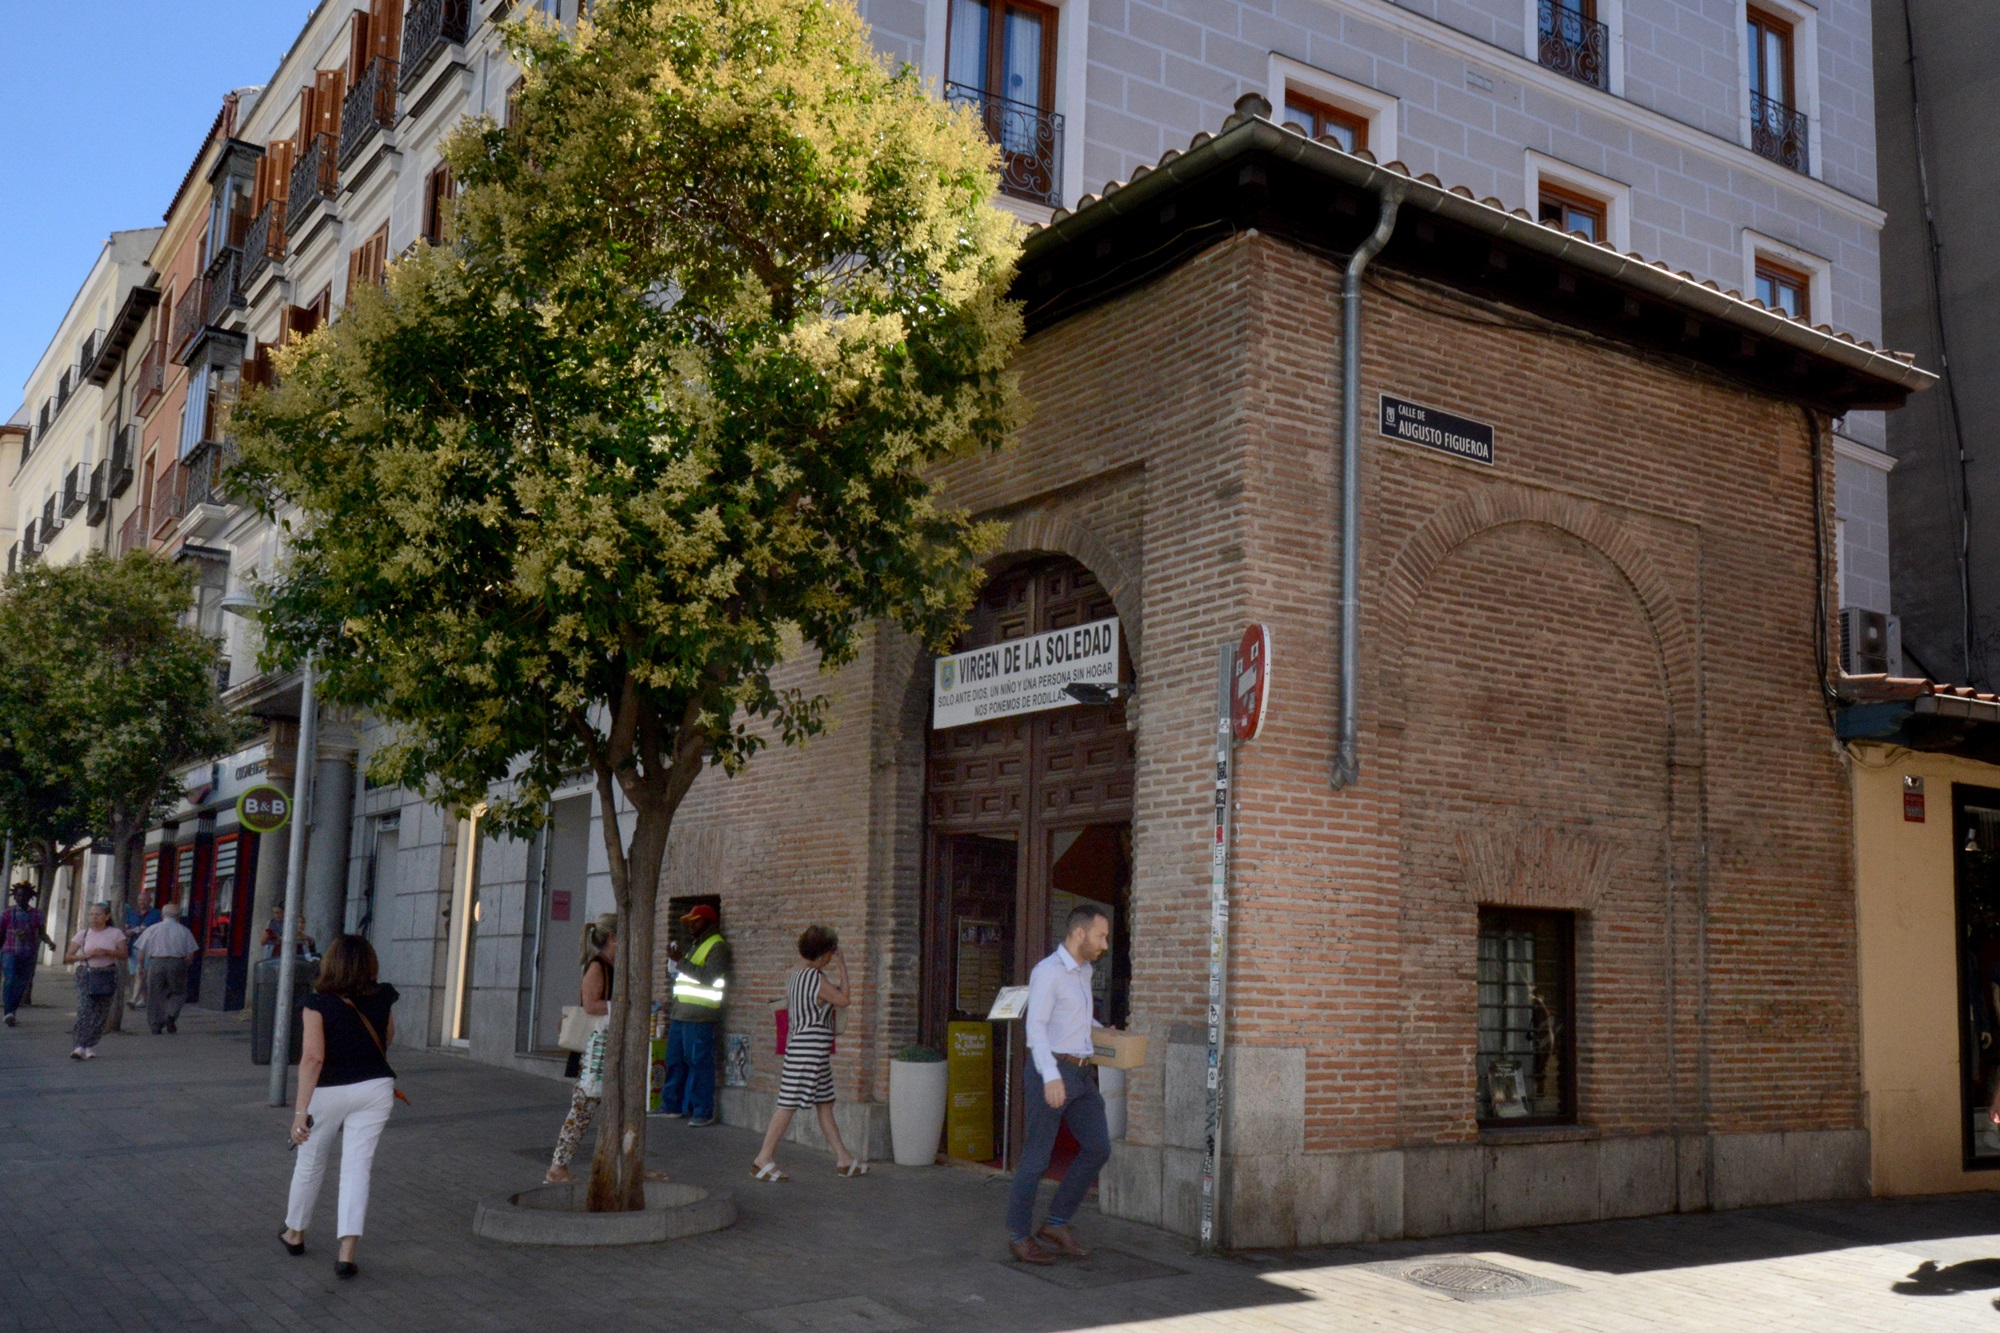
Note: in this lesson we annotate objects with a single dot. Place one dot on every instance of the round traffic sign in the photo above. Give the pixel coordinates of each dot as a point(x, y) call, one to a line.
point(264, 808)
point(1250, 690)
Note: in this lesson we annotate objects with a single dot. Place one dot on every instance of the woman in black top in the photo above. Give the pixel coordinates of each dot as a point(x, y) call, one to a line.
point(345, 1087)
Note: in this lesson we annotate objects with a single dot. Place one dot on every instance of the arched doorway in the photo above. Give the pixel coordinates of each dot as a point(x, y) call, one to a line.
point(1026, 817)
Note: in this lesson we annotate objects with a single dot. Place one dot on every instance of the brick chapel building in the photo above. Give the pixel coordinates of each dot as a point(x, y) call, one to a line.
point(1579, 941)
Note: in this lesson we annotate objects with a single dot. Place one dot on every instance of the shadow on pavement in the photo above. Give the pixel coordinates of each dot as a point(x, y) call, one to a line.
point(1930, 1280)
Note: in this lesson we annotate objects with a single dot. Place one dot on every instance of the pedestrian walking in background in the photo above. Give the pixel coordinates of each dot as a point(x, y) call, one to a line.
point(1059, 1023)
point(163, 950)
point(274, 937)
point(346, 1091)
point(600, 962)
point(23, 931)
point(700, 988)
point(812, 998)
point(138, 920)
point(97, 950)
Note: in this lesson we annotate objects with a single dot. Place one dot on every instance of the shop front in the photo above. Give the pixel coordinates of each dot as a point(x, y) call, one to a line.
point(201, 858)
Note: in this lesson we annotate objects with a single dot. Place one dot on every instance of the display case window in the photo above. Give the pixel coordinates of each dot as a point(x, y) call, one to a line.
point(1527, 1026)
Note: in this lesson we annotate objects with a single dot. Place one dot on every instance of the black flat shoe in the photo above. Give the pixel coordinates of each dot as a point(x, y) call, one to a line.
point(294, 1250)
point(342, 1268)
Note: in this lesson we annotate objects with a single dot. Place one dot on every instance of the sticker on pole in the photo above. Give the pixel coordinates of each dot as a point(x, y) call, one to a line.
point(264, 808)
point(1250, 686)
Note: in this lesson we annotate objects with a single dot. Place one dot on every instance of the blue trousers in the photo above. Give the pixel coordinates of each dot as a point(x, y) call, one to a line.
point(1083, 1111)
point(17, 970)
point(690, 1086)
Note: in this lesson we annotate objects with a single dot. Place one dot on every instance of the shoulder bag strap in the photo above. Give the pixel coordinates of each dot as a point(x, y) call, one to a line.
point(375, 1037)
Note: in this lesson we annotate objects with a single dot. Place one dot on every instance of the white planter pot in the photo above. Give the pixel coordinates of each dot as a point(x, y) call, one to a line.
point(917, 1095)
point(1111, 1086)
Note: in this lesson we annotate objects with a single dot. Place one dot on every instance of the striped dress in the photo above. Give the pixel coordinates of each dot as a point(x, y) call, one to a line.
point(808, 1076)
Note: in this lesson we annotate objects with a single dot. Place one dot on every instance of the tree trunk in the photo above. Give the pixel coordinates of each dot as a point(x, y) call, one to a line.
point(118, 896)
point(618, 1167)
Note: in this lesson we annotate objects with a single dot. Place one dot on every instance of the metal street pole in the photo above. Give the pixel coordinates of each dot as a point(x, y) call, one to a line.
point(7, 865)
point(1218, 944)
point(295, 861)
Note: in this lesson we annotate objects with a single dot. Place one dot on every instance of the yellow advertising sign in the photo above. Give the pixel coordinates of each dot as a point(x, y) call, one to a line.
point(969, 1077)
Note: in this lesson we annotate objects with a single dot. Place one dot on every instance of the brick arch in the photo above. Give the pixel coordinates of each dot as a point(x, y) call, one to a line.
point(1502, 505)
point(1042, 533)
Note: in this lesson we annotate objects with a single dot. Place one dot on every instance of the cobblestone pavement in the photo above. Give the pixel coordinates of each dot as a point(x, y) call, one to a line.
point(144, 1190)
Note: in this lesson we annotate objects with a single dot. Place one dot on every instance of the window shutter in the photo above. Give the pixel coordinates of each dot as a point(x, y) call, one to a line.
point(308, 116)
point(386, 22)
point(359, 49)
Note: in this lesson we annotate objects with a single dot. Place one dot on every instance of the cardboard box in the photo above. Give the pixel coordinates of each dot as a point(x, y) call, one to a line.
point(1118, 1050)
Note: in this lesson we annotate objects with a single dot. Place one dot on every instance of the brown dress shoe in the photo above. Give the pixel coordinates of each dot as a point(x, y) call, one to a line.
point(1063, 1239)
point(1027, 1252)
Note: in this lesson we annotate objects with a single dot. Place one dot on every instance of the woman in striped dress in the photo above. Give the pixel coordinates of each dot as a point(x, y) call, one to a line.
point(807, 1081)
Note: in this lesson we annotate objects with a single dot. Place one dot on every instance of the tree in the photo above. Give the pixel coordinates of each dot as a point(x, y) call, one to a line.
point(567, 492)
point(105, 696)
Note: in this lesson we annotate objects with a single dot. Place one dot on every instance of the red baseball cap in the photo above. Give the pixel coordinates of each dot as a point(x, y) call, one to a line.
point(701, 912)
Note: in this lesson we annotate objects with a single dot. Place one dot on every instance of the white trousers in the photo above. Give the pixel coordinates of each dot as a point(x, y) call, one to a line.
point(358, 1111)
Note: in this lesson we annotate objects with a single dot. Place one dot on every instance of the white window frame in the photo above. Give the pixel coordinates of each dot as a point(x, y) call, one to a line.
point(1611, 13)
point(1805, 71)
point(1616, 195)
point(1819, 273)
point(1378, 109)
point(1072, 70)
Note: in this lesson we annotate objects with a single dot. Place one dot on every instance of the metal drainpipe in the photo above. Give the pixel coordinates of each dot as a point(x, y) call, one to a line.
point(1347, 760)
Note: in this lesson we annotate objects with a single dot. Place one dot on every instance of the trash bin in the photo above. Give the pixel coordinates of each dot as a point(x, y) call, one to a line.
point(304, 977)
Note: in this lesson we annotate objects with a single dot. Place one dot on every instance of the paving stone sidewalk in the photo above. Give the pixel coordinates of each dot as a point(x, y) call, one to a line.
point(145, 1189)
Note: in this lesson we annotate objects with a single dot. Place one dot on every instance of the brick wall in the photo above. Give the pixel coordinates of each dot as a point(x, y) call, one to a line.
point(1580, 668)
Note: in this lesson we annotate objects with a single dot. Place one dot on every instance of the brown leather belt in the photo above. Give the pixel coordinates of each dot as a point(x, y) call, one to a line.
point(1080, 1061)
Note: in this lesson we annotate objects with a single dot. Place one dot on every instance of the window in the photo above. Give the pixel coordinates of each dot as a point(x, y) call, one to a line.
point(1319, 121)
point(1770, 41)
point(368, 262)
point(1571, 38)
point(1000, 59)
point(1777, 111)
point(439, 190)
point(1570, 211)
point(1527, 1029)
point(1782, 288)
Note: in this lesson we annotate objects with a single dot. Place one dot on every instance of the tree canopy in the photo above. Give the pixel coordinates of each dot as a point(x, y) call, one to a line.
point(566, 492)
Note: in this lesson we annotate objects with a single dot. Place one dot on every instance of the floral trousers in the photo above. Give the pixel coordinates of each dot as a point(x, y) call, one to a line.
point(583, 1103)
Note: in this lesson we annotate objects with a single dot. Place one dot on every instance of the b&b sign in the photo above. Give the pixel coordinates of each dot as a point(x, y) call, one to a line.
point(264, 808)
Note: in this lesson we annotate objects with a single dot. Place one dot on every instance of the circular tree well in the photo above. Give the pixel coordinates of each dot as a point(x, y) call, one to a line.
point(554, 1215)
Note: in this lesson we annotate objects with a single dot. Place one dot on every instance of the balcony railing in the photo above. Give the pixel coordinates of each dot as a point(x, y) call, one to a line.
point(76, 490)
point(201, 479)
point(1030, 141)
point(315, 176)
point(98, 505)
point(190, 315)
point(370, 106)
point(429, 27)
point(64, 384)
point(220, 280)
point(51, 521)
point(134, 531)
point(119, 479)
point(93, 343)
point(1574, 44)
point(152, 378)
point(1779, 133)
point(264, 244)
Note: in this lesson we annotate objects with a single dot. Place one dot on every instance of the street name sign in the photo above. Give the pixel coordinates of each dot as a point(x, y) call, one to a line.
point(1413, 423)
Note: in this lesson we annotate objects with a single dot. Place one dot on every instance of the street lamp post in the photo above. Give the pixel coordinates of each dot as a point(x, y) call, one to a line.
point(295, 859)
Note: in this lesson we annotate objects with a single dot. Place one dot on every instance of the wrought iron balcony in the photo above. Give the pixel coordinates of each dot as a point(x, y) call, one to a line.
point(190, 316)
point(223, 295)
point(1779, 133)
point(14, 558)
point(201, 480)
point(315, 177)
point(133, 532)
point(152, 378)
point(120, 477)
point(75, 490)
point(1030, 141)
point(64, 383)
point(1574, 44)
point(51, 520)
point(370, 106)
point(99, 504)
point(428, 28)
point(93, 342)
point(264, 243)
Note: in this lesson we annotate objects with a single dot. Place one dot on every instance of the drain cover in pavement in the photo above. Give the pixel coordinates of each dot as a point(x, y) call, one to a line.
point(1468, 1279)
point(1104, 1268)
point(852, 1314)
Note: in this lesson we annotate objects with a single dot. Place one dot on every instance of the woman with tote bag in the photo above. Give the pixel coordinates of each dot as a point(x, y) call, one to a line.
point(97, 950)
point(583, 1028)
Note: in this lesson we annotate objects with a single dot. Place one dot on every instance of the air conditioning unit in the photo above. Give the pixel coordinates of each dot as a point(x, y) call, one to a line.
point(1871, 642)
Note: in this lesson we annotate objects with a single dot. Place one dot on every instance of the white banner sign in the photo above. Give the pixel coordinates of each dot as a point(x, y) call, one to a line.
point(1023, 675)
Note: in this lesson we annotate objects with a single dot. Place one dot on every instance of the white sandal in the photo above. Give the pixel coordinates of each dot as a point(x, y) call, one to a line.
point(769, 1173)
point(854, 1168)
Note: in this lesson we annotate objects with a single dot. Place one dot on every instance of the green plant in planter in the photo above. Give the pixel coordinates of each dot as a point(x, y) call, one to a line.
point(919, 1055)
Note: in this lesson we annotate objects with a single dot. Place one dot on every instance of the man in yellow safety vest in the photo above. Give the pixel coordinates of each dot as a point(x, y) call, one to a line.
point(699, 991)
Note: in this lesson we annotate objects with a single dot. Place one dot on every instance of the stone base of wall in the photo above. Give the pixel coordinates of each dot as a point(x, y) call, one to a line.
point(1283, 1200)
point(863, 1125)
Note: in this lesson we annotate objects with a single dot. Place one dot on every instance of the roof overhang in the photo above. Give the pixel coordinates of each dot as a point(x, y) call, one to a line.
point(1259, 175)
point(125, 326)
point(1919, 714)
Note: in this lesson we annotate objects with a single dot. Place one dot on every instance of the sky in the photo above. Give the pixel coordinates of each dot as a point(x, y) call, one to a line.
point(103, 105)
